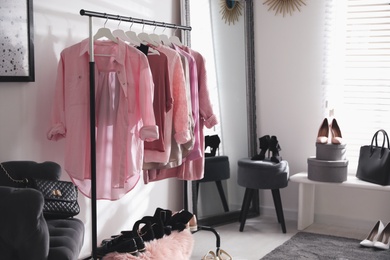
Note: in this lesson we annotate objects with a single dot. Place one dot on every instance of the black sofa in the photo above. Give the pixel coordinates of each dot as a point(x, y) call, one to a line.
point(24, 232)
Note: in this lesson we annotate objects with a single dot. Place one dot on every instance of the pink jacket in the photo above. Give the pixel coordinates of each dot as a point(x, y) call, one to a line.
point(124, 115)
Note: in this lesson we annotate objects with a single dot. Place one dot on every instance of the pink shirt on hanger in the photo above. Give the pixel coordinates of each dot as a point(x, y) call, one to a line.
point(124, 115)
point(192, 169)
point(177, 119)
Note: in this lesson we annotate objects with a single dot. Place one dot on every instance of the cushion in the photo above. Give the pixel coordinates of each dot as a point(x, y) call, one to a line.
point(262, 174)
point(66, 238)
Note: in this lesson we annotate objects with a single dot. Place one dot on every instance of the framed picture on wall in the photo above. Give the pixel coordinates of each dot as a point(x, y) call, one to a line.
point(16, 41)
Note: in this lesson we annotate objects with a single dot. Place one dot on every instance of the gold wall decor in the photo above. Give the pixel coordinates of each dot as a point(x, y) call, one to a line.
point(284, 6)
point(230, 10)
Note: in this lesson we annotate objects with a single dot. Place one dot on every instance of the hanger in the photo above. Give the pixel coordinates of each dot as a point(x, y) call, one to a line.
point(104, 32)
point(174, 39)
point(120, 33)
point(146, 39)
point(164, 38)
point(155, 37)
point(133, 36)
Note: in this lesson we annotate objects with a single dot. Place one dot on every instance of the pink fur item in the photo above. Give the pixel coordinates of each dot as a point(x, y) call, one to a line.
point(177, 245)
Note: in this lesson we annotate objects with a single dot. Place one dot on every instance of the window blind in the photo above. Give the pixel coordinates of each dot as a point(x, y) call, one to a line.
point(357, 70)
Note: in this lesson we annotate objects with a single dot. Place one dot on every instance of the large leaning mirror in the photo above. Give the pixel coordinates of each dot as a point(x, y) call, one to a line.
point(227, 45)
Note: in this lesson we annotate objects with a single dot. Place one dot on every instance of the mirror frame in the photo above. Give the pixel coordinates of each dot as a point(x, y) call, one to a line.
point(190, 187)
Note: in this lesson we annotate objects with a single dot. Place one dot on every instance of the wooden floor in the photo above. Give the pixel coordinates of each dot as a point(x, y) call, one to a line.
point(260, 236)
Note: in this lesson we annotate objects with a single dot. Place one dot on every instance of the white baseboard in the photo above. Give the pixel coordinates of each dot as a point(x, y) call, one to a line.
point(337, 221)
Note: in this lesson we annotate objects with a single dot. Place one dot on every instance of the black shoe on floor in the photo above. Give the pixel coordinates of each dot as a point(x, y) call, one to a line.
point(120, 244)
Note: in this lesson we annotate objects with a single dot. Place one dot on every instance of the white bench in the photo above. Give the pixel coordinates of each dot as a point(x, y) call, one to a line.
point(307, 194)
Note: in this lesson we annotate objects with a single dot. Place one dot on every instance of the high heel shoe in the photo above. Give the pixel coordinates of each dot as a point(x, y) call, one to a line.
point(373, 235)
point(213, 142)
point(383, 241)
point(193, 224)
point(323, 132)
point(274, 147)
point(210, 256)
point(264, 145)
point(223, 255)
point(336, 133)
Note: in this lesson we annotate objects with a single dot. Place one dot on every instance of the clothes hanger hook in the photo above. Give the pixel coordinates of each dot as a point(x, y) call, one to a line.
point(165, 27)
point(105, 21)
point(120, 20)
point(155, 26)
point(143, 25)
point(132, 22)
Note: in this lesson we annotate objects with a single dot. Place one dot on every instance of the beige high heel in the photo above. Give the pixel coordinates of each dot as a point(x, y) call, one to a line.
point(323, 132)
point(210, 256)
point(193, 224)
point(223, 255)
point(336, 133)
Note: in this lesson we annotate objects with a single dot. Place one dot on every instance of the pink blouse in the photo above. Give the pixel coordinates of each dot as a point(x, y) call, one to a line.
point(124, 115)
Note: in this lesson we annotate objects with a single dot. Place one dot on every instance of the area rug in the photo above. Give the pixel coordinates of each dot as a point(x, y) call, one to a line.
point(304, 245)
point(178, 245)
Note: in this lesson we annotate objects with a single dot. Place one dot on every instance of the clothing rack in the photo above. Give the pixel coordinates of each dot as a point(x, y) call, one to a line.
point(91, 14)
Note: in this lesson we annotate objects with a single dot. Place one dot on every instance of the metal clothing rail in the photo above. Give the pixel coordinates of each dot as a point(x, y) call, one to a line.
point(133, 20)
point(92, 104)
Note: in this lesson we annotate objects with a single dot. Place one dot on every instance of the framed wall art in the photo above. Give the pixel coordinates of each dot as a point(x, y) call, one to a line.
point(16, 41)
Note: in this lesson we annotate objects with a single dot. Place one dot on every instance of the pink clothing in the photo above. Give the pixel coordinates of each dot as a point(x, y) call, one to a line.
point(124, 115)
point(163, 100)
point(192, 169)
point(196, 151)
point(177, 119)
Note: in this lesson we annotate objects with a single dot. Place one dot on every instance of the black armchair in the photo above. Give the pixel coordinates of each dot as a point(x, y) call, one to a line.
point(24, 232)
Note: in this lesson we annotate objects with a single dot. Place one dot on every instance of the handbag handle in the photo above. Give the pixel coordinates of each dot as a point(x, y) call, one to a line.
point(385, 138)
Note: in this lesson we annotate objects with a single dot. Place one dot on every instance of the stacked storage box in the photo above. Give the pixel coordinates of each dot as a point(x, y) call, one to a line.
point(329, 165)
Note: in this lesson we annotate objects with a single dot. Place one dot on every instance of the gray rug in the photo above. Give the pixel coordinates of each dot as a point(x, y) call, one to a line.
point(304, 245)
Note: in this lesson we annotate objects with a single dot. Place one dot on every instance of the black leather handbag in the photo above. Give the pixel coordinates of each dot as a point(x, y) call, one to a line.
point(60, 196)
point(374, 161)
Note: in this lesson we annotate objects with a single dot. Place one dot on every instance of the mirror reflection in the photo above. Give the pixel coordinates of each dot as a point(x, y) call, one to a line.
point(224, 47)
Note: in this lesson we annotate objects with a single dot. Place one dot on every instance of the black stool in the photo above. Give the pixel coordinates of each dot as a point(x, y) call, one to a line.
point(216, 169)
point(255, 175)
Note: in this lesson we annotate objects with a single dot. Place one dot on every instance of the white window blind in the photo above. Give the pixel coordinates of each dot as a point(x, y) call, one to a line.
point(357, 70)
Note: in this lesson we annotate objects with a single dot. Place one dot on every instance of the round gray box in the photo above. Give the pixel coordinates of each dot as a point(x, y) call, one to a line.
point(330, 152)
point(327, 171)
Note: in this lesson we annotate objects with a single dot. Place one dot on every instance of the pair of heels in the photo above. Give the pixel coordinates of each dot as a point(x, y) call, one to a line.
point(220, 255)
point(332, 128)
point(213, 142)
point(268, 143)
point(379, 237)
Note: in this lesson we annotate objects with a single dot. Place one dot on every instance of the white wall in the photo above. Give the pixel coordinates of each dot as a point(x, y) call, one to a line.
point(25, 107)
point(288, 80)
point(289, 105)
